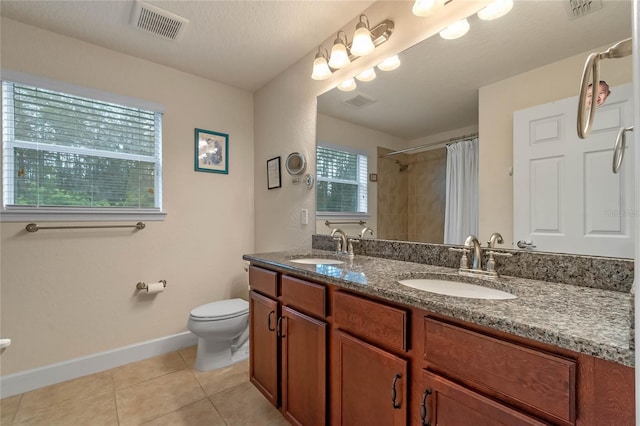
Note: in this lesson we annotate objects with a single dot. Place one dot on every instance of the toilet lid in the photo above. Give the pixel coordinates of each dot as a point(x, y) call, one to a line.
point(221, 309)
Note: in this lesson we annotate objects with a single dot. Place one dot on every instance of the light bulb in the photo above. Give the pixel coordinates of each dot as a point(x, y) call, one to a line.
point(339, 56)
point(367, 75)
point(347, 85)
point(362, 44)
point(495, 10)
point(321, 70)
point(455, 30)
point(389, 64)
point(426, 7)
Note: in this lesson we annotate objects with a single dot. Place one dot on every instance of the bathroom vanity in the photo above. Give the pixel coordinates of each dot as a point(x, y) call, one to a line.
point(347, 344)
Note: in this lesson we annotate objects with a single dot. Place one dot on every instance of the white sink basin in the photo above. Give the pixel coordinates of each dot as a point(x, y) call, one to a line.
point(317, 261)
point(457, 289)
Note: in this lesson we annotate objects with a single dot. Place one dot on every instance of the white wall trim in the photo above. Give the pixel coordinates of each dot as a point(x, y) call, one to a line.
point(29, 380)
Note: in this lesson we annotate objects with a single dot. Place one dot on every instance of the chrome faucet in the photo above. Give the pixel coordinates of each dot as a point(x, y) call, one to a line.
point(342, 240)
point(496, 237)
point(472, 242)
point(493, 239)
point(364, 231)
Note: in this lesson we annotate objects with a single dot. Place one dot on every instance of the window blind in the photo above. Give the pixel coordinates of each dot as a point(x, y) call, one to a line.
point(342, 181)
point(62, 150)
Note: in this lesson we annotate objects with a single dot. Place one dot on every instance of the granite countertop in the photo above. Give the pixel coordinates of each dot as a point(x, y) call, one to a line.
point(591, 321)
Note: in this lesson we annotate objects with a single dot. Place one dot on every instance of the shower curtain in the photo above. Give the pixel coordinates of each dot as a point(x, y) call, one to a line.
point(461, 211)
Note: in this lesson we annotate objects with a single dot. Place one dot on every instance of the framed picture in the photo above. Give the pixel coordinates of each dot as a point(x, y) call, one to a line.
point(273, 173)
point(212, 151)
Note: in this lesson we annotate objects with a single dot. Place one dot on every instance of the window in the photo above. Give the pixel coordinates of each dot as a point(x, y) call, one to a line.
point(67, 153)
point(342, 181)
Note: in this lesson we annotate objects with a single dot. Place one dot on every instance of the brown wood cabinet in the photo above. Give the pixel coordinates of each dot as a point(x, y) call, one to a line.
point(288, 348)
point(542, 382)
point(264, 361)
point(370, 384)
point(361, 360)
point(304, 372)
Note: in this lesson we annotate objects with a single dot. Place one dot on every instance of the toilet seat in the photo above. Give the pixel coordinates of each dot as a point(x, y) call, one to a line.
point(220, 310)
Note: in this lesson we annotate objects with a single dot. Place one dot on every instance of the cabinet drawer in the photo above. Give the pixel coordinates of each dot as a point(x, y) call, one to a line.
point(537, 379)
point(263, 280)
point(306, 296)
point(375, 322)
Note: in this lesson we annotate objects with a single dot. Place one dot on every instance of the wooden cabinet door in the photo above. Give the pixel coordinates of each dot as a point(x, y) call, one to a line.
point(445, 403)
point(369, 384)
point(263, 344)
point(304, 368)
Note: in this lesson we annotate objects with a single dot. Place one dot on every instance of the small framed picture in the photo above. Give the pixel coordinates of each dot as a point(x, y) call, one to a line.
point(273, 173)
point(373, 177)
point(211, 151)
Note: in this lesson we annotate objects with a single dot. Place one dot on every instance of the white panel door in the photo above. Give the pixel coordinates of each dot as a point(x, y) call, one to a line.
point(566, 197)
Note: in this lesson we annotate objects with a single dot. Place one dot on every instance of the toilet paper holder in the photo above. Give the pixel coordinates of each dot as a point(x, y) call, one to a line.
point(143, 286)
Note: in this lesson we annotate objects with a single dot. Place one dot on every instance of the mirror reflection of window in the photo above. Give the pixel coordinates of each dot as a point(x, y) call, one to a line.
point(342, 181)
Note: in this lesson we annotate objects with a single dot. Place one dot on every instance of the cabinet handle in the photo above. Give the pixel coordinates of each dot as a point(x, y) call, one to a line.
point(393, 391)
point(279, 328)
point(424, 414)
point(269, 321)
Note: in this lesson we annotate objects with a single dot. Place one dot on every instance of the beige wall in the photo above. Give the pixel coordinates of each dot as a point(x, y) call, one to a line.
point(67, 294)
point(497, 102)
point(340, 133)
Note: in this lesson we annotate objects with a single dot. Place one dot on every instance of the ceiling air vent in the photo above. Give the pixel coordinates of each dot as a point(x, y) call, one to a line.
point(359, 100)
point(578, 8)
point(157, 21)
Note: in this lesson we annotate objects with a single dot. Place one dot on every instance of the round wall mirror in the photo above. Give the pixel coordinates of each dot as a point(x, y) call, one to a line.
point(295, 164)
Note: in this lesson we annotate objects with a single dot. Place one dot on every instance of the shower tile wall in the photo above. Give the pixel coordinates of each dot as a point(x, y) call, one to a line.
point(411, 203)
point(393, 195)
point(427, 196)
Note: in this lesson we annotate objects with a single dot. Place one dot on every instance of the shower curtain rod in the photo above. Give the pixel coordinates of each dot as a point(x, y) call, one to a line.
point(431, 145)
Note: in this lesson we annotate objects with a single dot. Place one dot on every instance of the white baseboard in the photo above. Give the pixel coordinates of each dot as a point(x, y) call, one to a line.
point(29, 380)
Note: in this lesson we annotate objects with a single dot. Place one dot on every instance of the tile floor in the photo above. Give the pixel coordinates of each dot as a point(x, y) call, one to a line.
point(162, 391)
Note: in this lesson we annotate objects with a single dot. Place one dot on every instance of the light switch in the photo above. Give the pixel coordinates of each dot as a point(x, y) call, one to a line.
point(304, 216)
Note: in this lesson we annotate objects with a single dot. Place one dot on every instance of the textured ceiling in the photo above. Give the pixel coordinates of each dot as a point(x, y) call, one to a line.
point(436, 88)
point(244, 44)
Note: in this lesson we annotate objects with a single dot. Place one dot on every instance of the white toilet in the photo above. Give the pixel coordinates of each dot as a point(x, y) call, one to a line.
point(222, 328)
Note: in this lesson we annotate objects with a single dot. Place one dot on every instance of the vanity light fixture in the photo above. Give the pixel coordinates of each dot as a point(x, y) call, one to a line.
point(321, 70)
point(367, 75)
point(343, 52)
point(455, 30)
point(362, 44)
point(389, 64)
point(426, 7)
point(347, 85)
point(339, 56)
point(495, 10)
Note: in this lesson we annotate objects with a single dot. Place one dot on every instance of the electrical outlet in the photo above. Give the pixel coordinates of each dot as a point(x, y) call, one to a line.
point(304, 216)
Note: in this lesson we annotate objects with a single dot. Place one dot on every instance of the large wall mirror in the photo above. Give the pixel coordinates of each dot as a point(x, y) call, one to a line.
point(446, 89)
